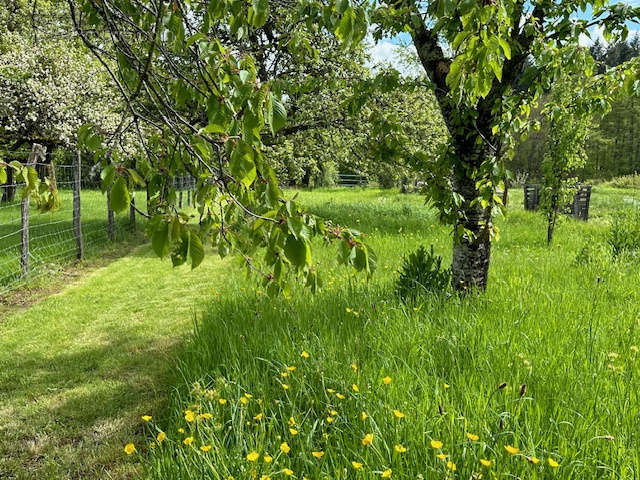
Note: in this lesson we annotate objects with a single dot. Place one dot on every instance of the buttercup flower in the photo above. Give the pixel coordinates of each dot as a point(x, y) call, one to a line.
point(553, 463)
point(304, 354)
point(398, 414)
point(534, 460)
point(205, 448)
point(400, 449)
point(287, 472)
point(357, 465)
point(386, 473)
point(512, 450)
point(293, 431)
point(205, 416)
point(318, 454)
point(386, 380)
point(451, 466)
point(473, 437)
point(368, 438)
point(146, 418)
point(485, 462)
point(363, 416)
point(253, 456)
point(436, 444)
point(267, 459)
point(188, 441)
point(129, 448)
point(189, 416)
point(285, 447)
point(355, 388)
point(161, 436)
point(442, 456)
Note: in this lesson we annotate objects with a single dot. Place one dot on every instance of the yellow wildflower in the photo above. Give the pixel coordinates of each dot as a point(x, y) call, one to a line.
point(205, 416)
point(512, 450)
point(355, 388)
point(386, 473)
point(357, 465)
point(205, 448)
point(188, 441)
point(333, 413)
point(398, 414)
point(534, 460)
point(339, 396)
point(287, 472)
point(129, 448)
point(331, 390)
point(436, 444)
point(293, 431)
point(472, 436)
point(285, 447)
point(363, 416)
point(267, 459)
point(248, 395)
point(553, 463)
point(442, 456)
point(386, 380)
point(265, 477)
point(253, 456)
point(354, 367)
point(451, 466)
point(244, 400)
point(304, 354)
point(368, 438)
point(329, 419)
point(222, 401)
point(284, 374)
point(181, 430)
point(146, 418)
point(189, 416)
point(318, 454)
point(291, 368)
point(161, 436)
point(259, 416)
point(285, 386)
point(485, 462)
point(400, 449)
point(446, 385)
point(292, 421)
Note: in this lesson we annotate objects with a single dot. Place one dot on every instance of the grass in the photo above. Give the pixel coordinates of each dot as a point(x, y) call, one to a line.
point(79, 369)
point(51, 238)
point(545, 364)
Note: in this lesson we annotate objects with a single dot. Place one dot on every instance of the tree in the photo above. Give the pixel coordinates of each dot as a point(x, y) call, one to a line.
point(164, 57)
point(569, 123)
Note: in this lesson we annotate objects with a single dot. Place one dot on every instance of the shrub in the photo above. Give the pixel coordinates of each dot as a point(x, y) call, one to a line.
point(624, 234)
point(421, 273)
point(625, 181)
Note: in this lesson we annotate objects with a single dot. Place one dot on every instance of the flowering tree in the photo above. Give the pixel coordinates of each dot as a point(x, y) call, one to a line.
point(207, 101)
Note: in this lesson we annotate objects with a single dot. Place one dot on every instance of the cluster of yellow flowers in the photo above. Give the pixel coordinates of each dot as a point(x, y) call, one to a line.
point(261, 459)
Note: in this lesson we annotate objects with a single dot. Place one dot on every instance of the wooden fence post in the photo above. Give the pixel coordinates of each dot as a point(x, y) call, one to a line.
point(37, 152)
point(110, 217)
point(77, 219)
point(132, 214)
point(180, 185)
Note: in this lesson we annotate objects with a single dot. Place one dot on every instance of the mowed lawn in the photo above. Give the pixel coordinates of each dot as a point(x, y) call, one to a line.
point(78, 370)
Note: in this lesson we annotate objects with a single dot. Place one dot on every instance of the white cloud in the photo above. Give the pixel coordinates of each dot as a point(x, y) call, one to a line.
point(397, 56)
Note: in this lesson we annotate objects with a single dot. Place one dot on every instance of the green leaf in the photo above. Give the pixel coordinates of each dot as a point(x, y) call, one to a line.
point(196, 250)
point(107, 175)
point(297, 251)
point(3, 175)
point(279, 114)
point(260, 13)
point(119, 195)
point(135, 176)
point(506, 48)
point(242, 164)
point(160, 240)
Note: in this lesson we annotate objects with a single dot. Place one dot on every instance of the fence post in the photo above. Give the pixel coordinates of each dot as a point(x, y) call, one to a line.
point(36, 151)
point(110, 217)
point(180, 185)
point(77, 219)
point(132, 214)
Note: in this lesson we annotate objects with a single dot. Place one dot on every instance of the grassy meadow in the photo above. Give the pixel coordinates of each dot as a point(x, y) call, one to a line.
point(537, 378)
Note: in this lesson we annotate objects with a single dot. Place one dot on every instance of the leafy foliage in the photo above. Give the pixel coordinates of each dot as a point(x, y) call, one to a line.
point(422, 273)
point(624, 235)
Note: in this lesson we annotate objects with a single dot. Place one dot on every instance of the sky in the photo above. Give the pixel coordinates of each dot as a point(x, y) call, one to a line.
point(386, 50)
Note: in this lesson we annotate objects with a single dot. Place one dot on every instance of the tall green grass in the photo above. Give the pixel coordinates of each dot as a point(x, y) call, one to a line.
point(545, 363)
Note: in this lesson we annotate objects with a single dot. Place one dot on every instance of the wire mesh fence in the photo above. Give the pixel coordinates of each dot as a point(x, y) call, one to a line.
point(34, 243)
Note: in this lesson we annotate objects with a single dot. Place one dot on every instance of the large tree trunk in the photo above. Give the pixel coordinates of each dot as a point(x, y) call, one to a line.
point(471, 252)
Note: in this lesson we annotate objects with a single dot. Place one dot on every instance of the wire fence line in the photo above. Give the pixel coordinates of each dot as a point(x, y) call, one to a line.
point(34, 243)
